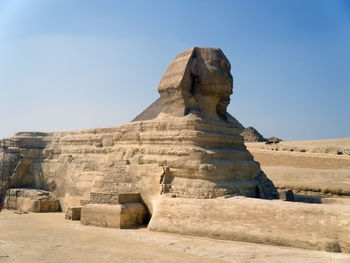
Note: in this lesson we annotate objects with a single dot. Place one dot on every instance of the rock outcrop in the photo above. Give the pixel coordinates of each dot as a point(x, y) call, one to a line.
point(308, 226)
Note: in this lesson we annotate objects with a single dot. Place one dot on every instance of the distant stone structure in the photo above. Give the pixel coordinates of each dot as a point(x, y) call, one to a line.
point(252, 135)
point(274, 140)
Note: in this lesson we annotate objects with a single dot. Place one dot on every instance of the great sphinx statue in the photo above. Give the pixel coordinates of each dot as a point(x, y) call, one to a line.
point(190, 148)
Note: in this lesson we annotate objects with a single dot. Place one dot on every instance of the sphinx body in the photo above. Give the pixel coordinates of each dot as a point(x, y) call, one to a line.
point(191, 149)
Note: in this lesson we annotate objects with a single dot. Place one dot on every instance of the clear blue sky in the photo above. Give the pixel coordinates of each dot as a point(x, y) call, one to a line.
point(67, 65)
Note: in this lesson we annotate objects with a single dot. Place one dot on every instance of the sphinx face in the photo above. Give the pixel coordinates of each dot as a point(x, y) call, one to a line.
point(214, 83)
point(215, 76)
point(197, 81)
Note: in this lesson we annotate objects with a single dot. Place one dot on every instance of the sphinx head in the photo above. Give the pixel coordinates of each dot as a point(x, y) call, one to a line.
point(197, 81)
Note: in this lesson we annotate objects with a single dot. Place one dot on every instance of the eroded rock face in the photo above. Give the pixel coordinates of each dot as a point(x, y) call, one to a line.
point(190, 150)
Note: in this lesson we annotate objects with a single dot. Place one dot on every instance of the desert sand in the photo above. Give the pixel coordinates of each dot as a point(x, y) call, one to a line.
point(48, 237)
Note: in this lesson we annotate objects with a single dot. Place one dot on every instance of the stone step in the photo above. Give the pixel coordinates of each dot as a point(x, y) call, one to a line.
point(126, 215)
point(114, 198)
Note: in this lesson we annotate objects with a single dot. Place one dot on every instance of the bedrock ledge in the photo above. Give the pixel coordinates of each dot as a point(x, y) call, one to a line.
point(274, 222)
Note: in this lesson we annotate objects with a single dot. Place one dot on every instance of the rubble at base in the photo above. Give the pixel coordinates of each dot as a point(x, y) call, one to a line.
point(31, 200)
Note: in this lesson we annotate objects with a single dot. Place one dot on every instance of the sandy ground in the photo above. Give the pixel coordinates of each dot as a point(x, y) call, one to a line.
point(50, 238)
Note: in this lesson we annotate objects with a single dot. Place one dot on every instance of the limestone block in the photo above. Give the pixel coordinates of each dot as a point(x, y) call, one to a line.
point(73, 213)
point(31, 200)
point(114, 198)
point(126, 215)
point(129, 198)
point(110, 198)
point(48, 206)
point(275, 222)
point(28, 205)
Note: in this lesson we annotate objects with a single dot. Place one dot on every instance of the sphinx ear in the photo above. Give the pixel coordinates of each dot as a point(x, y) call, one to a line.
point(195, 66)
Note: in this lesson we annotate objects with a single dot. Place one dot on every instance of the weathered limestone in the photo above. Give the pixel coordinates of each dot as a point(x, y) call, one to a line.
point(31, 200)
point(309, 226)
point(112, 209)
point(113, 198)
